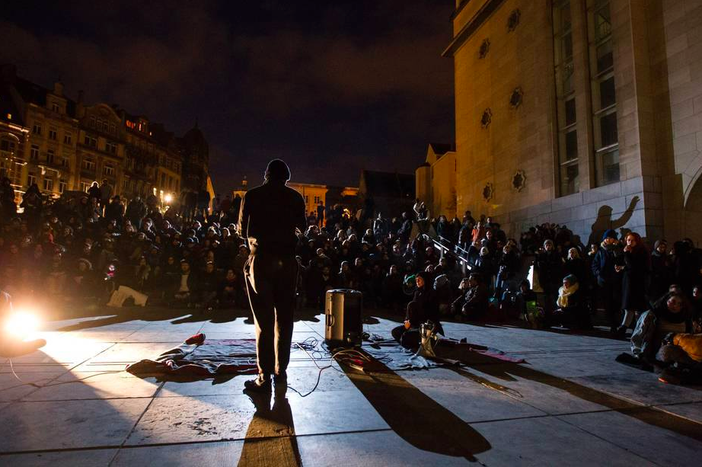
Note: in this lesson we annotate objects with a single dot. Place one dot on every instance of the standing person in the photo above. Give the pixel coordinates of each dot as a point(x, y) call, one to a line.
point(661, 271)
point(605, 265)
point(549, 267)
point(634, 275)
point(320, 214)
point(105, 195)
point(270, 216)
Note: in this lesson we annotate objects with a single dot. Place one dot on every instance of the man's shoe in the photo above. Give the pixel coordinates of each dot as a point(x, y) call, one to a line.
point(261, 384)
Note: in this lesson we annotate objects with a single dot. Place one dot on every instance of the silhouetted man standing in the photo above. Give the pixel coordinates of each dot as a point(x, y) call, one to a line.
point(270, 215)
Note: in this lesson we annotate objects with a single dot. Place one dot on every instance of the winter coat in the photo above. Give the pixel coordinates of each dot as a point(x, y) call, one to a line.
point(634, 279)
point(603, 265)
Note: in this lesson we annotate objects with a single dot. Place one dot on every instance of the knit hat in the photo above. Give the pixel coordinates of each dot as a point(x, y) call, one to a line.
point(572, 278)
point(609, 234)
point(277, 170)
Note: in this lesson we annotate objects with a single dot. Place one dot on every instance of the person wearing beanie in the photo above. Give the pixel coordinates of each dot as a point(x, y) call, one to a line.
point(606, 268)
point(421, 309)
point(269, 218)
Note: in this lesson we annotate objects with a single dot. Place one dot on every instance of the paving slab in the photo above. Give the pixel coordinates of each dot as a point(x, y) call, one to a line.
point(95, 385)
point(190, 419)
point(11, 389)
point(654, 435)
point(378, 448)
point(334, 412)
point(643, 388)
point(470, 399)
point(28, 426)
point(120, 355)
point(582, 365)
point(549, 441)
point(551, 394)
point(60, 349)
point(86, 458)
point(195, 454)
point(690, 411)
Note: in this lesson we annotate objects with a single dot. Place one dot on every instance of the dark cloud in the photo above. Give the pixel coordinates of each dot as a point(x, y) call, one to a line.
point(332, 88)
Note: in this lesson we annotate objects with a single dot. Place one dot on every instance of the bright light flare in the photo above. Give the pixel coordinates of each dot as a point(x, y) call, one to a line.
point(21, 324)
point(168, 198)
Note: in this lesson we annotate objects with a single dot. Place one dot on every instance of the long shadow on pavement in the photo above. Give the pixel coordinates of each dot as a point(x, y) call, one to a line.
point(416, 417)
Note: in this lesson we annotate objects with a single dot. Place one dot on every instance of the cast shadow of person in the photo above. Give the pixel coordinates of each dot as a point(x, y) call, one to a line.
point(512, 371)
point(605, 222)
point(270, 437)
point(415, 417)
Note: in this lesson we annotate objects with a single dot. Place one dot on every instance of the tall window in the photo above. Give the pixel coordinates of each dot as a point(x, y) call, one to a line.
point(36, 128)
point(62, 186)
point(48, 184)
point(34, 152)
point(31, 179)
point(90, 141)
point(50, 156)
point(89, 165)
point(566, 112)
point(68, 138)
point(53, 134)
point(109, 170)
point(604, 102)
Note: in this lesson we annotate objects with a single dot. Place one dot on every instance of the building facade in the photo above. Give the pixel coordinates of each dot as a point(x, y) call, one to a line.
point(436, 180)
point(65, 145)
point(582, 112)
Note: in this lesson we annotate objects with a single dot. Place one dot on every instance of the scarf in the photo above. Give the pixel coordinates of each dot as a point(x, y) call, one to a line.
point(564, 295)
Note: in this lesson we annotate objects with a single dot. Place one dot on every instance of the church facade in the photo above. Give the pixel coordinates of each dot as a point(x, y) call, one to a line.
point(580, 112)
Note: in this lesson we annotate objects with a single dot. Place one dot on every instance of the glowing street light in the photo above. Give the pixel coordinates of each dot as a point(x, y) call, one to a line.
point(168, 198)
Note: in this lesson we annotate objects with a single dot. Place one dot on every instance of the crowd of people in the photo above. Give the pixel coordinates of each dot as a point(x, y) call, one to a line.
point(86, 247)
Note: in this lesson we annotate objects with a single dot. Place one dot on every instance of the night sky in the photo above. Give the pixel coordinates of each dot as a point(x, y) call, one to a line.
point(330, 87)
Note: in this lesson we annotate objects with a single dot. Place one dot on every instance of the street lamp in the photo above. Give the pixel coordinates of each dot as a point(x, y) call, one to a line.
point(168, 198)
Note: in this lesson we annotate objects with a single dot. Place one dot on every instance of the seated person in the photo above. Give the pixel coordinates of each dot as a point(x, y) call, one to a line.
point(185, 283)
point(571, 311)
point(667, 316)
point(207, 286)
point(524, 296)
point(421, 309)
point(682, 353)
point(476, 299)
point(228, 289)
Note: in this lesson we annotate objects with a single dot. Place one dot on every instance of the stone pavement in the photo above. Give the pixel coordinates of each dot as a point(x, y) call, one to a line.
point(571, 404)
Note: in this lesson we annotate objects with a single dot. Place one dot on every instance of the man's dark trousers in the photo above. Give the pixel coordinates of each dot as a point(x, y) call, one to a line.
point(271, 280)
